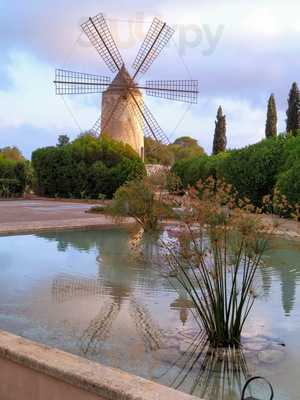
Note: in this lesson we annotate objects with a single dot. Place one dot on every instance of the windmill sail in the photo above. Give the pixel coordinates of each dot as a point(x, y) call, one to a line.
point(101, 38)
point(147, 121)
point(156, 39)
point(178, 90)
point(70, 82)
point(124, 115)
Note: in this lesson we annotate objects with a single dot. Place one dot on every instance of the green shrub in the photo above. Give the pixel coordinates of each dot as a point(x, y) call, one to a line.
point(14, 176)
point(190, 170)
point(10, 188)
point(194, 169)
point(85, 168)
point(289, 183)
point(142, 200)
point(253, 170)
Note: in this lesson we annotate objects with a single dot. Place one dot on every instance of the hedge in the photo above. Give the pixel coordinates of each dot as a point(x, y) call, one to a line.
point(254, 170)
point(89, 167)
point(14, 176)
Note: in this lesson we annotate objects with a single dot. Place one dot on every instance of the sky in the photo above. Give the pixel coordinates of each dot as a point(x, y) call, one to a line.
point(239, 51)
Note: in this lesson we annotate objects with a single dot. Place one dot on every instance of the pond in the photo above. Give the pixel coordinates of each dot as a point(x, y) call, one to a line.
point(86, 293)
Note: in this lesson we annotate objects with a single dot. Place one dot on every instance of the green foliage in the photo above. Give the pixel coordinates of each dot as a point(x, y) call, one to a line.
point(186, 147)
point(85, 168)
point(289, 183)
point(190, 171)
point(253, 170)
point(182, 148)
point(215, 260)
point(63, 140)
point(271, 123)
point(15, 172)
point(293, 111)
point(220, 140)
point(157, 153)
point(11, 153)
point(10, 188)
point(141, 200)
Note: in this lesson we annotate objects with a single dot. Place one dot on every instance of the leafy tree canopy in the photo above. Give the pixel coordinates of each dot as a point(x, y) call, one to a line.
point(11, 153)
point(182, 148)
point(63, 140)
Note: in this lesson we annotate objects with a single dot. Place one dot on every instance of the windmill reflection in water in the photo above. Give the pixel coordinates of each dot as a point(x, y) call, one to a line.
point(68, 287)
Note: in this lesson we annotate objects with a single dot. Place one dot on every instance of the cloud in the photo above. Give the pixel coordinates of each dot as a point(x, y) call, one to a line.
point(27, 138)
point(32, 100)
point(239, 51)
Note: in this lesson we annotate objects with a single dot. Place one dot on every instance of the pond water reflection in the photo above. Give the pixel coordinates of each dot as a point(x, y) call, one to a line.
point(86, 292)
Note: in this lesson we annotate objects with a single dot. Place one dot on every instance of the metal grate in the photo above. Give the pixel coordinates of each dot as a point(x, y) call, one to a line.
point(101, 38)
point(156, 39)
point(147, 121)
point(178, 90)
point(69, 82)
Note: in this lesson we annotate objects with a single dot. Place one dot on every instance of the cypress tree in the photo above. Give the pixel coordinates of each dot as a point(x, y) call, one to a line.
point(271, 124)
point(220, 140)
point(293, 112)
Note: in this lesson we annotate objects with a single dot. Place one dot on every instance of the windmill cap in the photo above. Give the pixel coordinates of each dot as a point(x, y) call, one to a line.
point(122, 79)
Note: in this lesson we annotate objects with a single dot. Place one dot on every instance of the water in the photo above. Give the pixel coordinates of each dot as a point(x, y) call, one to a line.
point(86, 293)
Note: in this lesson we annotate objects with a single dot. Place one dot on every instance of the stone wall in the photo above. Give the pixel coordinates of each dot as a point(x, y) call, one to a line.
point(30, 371)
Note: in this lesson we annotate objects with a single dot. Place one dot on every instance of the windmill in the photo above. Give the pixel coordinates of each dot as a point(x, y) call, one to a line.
point(125, 116)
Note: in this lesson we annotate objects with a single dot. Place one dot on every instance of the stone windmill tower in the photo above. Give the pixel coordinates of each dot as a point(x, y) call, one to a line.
point(125, 116)
point(122, 126)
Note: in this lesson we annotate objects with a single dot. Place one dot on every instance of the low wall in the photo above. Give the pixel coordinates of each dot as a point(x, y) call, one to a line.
point(30, 371)
point(153, 169)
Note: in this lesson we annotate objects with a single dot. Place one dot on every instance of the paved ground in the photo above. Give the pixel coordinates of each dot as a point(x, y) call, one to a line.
point(41, 210)
point(34, 215)
point(25, 216)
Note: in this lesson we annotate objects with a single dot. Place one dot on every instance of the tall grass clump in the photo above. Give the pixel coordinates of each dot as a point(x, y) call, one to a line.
point(215, 257)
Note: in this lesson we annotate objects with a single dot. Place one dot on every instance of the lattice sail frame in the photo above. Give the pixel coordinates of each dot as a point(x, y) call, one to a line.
point(156, 39)
point(178, 90)
point(96, 28)
point(158, 36)
point(70, 82)
point(147, 121)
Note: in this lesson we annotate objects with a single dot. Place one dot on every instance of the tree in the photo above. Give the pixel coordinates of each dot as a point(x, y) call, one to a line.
point(11, 153)
point(63, 140)
point(157, 153)
point(186, 141)
point(293, 111)
point(186, 147)
point(271, 123)
point(220, 140)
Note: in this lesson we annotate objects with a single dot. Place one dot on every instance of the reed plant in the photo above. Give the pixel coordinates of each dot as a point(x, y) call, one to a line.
point(215, 256)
